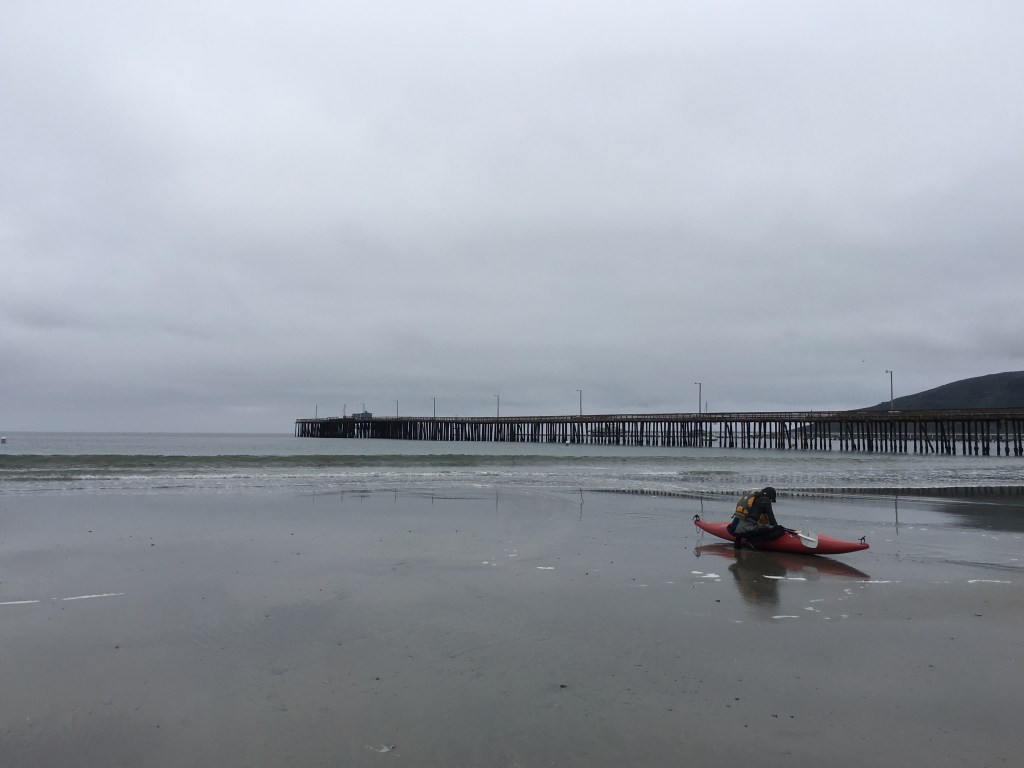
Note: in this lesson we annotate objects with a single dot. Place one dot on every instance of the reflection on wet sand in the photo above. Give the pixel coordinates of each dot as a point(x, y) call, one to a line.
point(758, 574)
point(991, 508)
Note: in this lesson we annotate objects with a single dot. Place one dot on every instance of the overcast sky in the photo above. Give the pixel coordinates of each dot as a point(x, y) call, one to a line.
point(225, 215)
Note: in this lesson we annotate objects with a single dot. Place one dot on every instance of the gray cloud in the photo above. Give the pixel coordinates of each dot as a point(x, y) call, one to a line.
point(222, 215)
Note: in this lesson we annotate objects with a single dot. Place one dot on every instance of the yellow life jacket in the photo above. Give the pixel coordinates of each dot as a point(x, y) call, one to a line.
point(745, 508)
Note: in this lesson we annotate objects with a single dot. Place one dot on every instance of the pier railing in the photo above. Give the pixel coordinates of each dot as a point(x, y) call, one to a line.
point(969, 432)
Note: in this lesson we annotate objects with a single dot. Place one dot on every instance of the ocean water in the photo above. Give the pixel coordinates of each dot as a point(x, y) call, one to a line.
point(65, 463)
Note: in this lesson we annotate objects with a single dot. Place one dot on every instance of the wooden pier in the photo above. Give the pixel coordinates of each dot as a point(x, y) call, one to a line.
point(978, 432)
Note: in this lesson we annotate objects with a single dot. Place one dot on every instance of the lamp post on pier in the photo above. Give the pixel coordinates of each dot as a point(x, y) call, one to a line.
point(700, 398)
point(498, 412)
point(891, 401)
point(435, 406)
point(581, 401)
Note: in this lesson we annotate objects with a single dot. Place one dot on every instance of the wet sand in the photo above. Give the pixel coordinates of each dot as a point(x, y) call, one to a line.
point(500, 629)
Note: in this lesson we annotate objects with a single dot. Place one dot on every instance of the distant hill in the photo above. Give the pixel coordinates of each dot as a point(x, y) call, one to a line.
point(997, 390)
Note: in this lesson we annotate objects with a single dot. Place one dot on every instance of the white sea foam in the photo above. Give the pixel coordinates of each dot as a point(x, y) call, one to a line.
point(143, 463)
point(90, 597)
point(62, 599)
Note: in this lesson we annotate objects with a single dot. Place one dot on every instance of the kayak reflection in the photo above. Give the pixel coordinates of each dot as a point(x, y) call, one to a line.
point(758, 573)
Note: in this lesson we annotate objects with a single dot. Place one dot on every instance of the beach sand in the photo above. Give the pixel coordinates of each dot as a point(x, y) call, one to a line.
point(503, 628)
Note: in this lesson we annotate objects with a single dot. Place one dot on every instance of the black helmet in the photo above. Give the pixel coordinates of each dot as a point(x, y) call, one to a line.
point(770, 493)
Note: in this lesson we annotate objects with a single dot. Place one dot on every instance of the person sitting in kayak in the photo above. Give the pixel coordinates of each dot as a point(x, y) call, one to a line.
point(754, 520)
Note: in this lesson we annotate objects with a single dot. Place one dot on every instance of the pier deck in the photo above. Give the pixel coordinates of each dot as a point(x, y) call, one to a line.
point(968, 432)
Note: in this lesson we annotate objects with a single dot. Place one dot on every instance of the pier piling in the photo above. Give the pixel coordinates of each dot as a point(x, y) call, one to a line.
point(974, 431)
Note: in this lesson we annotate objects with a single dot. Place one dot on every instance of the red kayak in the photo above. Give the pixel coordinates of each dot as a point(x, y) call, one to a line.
point(790, 541)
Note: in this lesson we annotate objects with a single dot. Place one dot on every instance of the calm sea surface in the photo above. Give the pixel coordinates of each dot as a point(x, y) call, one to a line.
point(34, 462)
